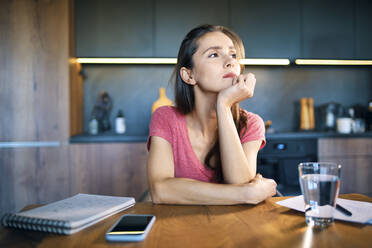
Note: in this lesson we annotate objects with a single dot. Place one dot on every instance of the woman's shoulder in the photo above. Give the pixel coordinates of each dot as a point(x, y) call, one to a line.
point(251, 117)
point(254, 127)
point(167, 112)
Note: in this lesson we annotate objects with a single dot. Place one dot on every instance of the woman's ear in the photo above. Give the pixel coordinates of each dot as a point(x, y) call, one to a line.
point(186, 75)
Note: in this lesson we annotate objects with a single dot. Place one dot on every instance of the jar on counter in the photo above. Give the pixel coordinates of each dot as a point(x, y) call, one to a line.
point(93, 126)
point(120, 123)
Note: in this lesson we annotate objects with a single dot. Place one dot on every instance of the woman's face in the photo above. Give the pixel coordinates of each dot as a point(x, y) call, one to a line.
point(215, 62)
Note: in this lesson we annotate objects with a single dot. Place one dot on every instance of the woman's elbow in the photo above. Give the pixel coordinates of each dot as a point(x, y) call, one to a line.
point(157, 193)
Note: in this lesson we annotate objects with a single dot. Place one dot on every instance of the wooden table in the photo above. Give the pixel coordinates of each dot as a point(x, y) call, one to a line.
point(264, 225)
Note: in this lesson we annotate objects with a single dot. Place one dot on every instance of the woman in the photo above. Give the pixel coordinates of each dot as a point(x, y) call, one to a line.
point(204, 150)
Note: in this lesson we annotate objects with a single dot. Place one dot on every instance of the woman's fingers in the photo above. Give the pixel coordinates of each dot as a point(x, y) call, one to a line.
point(247, 83)
point(242, 88)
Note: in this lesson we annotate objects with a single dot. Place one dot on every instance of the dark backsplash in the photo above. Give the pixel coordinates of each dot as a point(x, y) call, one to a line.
point(277, 94)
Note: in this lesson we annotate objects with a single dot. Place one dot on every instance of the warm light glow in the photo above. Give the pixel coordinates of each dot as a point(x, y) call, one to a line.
point(308, 237)
point(172, 61)
point(127, 60)
point(332, 62)
point(264, 61)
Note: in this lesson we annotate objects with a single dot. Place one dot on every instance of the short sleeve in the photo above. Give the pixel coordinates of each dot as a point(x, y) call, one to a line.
point(160, 125)
point(255, 129)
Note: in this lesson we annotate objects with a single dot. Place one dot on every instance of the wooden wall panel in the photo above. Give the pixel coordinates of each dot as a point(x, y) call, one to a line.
point(7, 191)
point(33, 175)
point(76, 80)
point(76, 98)
point(34, 70)
point(109, 168)
point(34, 101)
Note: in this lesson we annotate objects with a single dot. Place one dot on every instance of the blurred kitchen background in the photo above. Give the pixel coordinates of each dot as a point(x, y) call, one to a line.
point(53, 146)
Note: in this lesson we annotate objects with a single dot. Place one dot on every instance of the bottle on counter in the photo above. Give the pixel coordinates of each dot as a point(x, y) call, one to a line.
point(162, 101)
point(120, 123)
point(344, 121)
point(93, 126)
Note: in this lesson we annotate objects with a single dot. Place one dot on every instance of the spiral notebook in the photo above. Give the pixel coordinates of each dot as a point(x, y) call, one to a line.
point(70, 215)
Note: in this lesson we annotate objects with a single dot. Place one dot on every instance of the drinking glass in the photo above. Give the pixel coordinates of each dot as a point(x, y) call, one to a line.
point(320, 184)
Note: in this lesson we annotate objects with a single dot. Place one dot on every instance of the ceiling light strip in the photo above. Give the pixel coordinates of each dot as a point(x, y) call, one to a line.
point(172, 61)
point(332, 62)
point(127, 60)
point(265, 61)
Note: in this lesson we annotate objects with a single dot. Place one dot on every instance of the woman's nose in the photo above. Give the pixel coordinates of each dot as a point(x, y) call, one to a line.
point(229, 62)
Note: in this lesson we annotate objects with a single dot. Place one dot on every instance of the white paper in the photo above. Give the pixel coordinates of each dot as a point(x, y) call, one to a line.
point(361, 211)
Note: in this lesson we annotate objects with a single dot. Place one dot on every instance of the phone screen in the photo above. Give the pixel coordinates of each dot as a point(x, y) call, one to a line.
point(131, 225)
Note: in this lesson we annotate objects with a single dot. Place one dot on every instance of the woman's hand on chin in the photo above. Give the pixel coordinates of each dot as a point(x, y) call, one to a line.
point(241, 89)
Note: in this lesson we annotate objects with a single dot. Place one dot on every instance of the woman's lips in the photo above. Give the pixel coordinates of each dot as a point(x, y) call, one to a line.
point(229, 75)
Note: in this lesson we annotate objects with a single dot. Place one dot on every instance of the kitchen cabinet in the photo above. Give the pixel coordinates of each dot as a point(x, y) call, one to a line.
point(175, 18)
point(328, 29)
point(355, 156)
point(363, 27)
point(109, 168)
point(269, 29)
point(114, 28)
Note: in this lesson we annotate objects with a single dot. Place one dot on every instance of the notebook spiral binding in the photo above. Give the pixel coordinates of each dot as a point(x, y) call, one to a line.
point(35, 224)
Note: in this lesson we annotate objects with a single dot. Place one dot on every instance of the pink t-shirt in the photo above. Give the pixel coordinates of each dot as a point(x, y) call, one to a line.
point(169, 124)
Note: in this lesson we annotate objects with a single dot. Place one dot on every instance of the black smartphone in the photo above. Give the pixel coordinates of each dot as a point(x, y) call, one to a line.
point(130, 228)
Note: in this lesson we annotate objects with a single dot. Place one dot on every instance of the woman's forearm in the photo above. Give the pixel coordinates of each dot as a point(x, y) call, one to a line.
point(235, 165)
point(192, 192)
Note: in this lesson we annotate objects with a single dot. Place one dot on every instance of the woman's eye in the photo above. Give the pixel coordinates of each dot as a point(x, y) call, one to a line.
point(233, 55)
point(213, 55)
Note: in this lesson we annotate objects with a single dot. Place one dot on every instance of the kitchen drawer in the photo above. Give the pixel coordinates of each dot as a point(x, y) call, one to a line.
point(344, 147)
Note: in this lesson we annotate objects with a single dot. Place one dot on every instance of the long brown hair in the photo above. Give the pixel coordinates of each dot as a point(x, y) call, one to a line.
point(184, 93)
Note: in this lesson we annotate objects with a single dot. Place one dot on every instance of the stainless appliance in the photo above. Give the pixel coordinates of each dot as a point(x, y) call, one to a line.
point(327, 116)
point(279, 160)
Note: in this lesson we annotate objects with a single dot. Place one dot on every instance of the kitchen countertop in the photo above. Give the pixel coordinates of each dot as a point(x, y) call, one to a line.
point(112, 137)
point(106, 138)
point(316, 135)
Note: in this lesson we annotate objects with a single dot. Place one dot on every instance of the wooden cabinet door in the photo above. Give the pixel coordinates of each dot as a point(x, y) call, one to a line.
point(114, 28)
point(109, 169)
point(328, 30)
point(355, 157)
point(269, 29)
